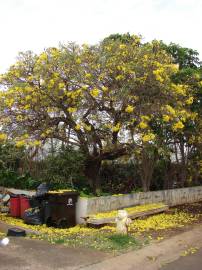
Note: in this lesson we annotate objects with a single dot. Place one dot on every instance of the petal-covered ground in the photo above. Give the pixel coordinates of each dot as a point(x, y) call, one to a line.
point(105, 238)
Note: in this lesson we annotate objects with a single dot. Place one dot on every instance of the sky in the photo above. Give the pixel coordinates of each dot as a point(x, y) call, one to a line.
point(38, 24)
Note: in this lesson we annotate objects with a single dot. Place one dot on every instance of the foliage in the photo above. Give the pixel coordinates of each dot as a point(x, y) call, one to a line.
point(185, 57)
point(119, 177)
point(10, 156)
point(11, 162)
point(63, 169)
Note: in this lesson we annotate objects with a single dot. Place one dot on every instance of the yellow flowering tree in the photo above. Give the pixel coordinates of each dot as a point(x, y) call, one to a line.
point(103, 99)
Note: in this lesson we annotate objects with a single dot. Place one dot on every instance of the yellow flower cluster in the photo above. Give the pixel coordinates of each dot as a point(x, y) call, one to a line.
point(189, 251)
point(60, 191)
point(179, 89)
point(166, 118)
point(120, 77)
point(178, 125)
point(148, 137)
point(170, 110)
point(163, 221)
point(94, 92)
point(189, 101)
point(143, 125)
point(88, 75)
point(20, 143)
point(158, 74)
point(134, 209)
point(71, 110)
point(129, 109)
point(3, 137)
point(104, 88)
point(116, 128)
point(74, 94)
point(35, 143)
point(155, 222)
point(78, 127)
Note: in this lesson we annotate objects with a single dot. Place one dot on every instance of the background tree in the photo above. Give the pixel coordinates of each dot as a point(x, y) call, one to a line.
point(186, 145)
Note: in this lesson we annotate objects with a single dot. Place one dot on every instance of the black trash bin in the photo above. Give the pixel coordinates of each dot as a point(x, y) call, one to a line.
point(60, 209)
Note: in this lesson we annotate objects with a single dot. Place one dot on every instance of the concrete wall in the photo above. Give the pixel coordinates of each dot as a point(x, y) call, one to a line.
point(172, 197)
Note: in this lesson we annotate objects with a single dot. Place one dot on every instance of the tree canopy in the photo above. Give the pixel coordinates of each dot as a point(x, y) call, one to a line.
point(107, 100)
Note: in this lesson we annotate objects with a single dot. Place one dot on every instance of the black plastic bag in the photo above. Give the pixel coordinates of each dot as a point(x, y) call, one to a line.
point(33, 216)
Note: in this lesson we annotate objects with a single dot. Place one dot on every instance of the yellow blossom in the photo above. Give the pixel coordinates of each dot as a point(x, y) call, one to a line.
point(20, 143)
point(166, 118)
point(71, 110)
point(94, 92)
point(78, 127)
point(179, 89)
point(116, 128)
point(104, 88)
point(129, 109)
point(122, 46)
point(170, 109)
point(178, 125)
point(36, 143)
point(119, 77)
point(9, 102)
point(145, 118)
point(130, 210)
point(148, 137)
point(84, 87)
point(143, 125)
point(27, 107)
point(88, 75)
point(158, 74)
point(189, 101)
point(19, 118)
point(78, 61)
point(3, 137)
point(61, 85)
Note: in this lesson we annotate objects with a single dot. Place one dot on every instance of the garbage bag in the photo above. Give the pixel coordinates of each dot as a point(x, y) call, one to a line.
point(33, 216)
point(42, 189)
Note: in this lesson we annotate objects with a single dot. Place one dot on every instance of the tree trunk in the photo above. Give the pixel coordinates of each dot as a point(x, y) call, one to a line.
point(183, 165)
point(147, 169)
point(92, 170)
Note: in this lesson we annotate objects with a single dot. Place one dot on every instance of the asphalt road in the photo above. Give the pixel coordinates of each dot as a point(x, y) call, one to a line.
point(26, 254)
point(190, 262)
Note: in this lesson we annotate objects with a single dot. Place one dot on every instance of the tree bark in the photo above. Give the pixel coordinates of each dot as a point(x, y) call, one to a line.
point(93, 165)
point(147, 169)
point(92, 170)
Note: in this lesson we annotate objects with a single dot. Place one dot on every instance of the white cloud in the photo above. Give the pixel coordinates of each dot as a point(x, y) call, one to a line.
point(36, 24)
